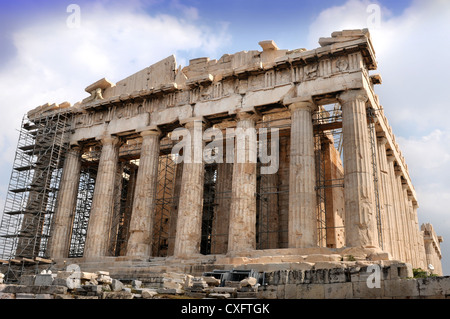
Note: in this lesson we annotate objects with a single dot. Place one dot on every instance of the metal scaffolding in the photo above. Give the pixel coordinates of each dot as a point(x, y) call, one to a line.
point(33, 189)
point(327, 123)
point(165, 199)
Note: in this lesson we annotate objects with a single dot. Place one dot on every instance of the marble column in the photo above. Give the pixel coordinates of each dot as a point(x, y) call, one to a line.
point(190, 208)
point(421, 247)
point(396, 211)
point(302, 228)
point(98, 233)
point(360, 213)
point(404, 225)
point(242, 228)
point(385, 196)
point(59, 242)
point(141, 223)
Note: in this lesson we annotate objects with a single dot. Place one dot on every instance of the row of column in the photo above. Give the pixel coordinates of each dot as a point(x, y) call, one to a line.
point(401, 233)
point(360, 212)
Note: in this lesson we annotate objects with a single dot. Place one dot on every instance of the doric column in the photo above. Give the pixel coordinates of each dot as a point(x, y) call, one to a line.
point(385, 196)
point(98, 232)
point(360, 213)
point(67, 198)
point(421, 247)
point(242, 228)
point(396, 214)
point(141, 223)
point(302, 228)
point(190, 208)
point(412, 231)
point(403, 218)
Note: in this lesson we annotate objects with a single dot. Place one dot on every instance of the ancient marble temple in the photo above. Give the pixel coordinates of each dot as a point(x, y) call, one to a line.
point(340, 191)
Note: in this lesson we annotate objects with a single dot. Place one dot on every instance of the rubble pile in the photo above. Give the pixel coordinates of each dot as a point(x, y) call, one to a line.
point(99, 285)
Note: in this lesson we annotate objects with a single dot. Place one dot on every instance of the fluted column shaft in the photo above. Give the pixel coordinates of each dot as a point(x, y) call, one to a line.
point(403, 217)
point(141, 223)
point(396, 215)
point(190, 208)
point(360, 213)
point(99, 227)
point(385, 196)
point(242, 222)
point(302, 227)
point(67, 198)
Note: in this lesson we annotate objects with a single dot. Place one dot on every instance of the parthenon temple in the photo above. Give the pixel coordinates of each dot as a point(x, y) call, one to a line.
point(100, 183)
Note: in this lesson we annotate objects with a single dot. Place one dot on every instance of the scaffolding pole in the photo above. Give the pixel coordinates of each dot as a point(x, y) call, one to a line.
point(32, 192)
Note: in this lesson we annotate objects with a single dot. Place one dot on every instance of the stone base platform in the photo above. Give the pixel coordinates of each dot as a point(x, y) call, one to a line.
point(146, 269)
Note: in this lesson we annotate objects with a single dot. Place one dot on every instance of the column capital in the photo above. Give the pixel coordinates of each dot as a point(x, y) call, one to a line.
point(110, 139)
point(302, 105)
point(75, 148)
point(351, 95)
point(192, 121)
point(148, 130)
point(382, 140)
point(150, 133)
point(241, 116)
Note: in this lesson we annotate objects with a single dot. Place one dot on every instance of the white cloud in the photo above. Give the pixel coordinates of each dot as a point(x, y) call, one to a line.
point(54, 63)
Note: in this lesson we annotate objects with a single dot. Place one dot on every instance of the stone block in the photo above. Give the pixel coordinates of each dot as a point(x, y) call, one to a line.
point(43, 280)
point(341, 290)
point(148, 293)
point(278, 277)
point(401, 288)
point(250, 281)
point(211, 281)
point(361, 290)
point(102, 273)
point(136, 284)
point(280, 291)
point(116, 285)
point(230, 290)
point(434, 286)
point(169, 291)
point(62, 296)
point(88, 276)
point(104, 279)
point(316, 276)
point(245, 294)
point(290, 291)
point(267, 292)
point(117, 295)
point(295, 277)
point(400, 271)
point(27, 280)
point(44, 296)
point(2, 287)
point(301, 266)
point(219, 295)
point(4, 295)
point(70, 283)
point(338, 275)
point(25, 296)
point(311, 291)
point(53, 290)
point(85, 297)
point(93, 288)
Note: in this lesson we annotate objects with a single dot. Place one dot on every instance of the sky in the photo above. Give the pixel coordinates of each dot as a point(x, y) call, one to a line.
point(50, 52)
